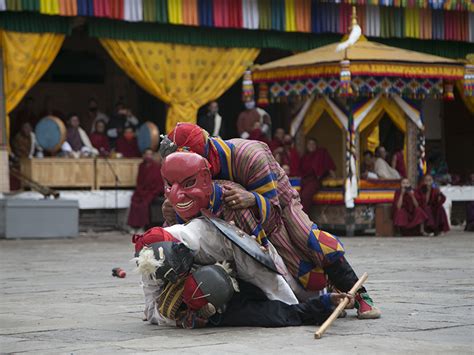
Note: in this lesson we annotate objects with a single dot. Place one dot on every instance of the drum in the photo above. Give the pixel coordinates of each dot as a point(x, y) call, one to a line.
point(148, 136)
point(50, 133)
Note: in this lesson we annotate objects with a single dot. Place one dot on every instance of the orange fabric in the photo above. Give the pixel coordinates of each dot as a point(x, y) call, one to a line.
point(190, 12)
point(303, 15)
point(68, 7)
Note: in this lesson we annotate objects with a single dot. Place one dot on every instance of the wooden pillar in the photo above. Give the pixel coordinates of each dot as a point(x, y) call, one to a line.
point(412, 152)
point(4, 169)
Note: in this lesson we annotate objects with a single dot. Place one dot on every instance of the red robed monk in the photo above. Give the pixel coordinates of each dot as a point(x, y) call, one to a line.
point(431, 200)
point(149, 186)
point(315, 165)
point(408, 216)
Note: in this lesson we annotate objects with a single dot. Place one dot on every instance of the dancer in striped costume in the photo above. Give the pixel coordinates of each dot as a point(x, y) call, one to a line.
point(309, 253)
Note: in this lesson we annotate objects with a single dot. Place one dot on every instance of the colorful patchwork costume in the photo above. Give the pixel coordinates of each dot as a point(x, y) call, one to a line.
point(309, 253)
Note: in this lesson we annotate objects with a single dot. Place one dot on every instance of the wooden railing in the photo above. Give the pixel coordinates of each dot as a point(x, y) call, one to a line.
point(91, 173)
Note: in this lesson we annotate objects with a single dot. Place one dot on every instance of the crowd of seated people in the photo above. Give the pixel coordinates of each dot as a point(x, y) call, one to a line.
point(114, 136)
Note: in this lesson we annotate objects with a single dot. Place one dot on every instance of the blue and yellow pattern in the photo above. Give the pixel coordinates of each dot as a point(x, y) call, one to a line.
point(326, 244)
point(263, 189)
point(224, 149)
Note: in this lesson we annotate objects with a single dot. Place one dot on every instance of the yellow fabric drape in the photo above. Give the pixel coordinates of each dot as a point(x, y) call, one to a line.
point(372, 119)
point(49, 7)
point(468, 100)
point(26, 57)
point(392, 109)
point(373, 140)
point(175, 11)
point(318, 107)
point(290, 20)
point(185, 77)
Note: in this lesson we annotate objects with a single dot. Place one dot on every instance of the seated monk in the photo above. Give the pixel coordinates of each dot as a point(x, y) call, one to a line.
point(127, 144)
point(99, 139)
point(381, 167)
point(408, 217)
point(315, 165)
point(277, 140)
point(398, 163)
point(290, 156)
point(257, 134)
point(367, 166)
point(24, 143)
point(431, 200)
point(149, 185)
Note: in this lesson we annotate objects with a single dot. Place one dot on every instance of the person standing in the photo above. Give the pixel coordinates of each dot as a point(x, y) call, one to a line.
point(315, 165)
point(398, 163)
point(149, 185)
point(95, 115)
point(211, 121)
point(248, 117)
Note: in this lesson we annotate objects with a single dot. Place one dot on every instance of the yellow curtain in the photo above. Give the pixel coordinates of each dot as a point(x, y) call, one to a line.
point(468, 100)
point(372, 119)
point(185, 77)
point(373, 140)
point(26, 57)
point(318, 107)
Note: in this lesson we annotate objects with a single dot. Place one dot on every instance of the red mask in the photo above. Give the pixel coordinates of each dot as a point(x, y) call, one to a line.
point(188, 183)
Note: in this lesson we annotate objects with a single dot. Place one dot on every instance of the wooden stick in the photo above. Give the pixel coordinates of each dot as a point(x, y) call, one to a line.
point(319, 333)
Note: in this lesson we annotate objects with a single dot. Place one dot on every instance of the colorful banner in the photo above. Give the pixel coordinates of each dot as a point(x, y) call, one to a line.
point(435, 19)
point(362, 86)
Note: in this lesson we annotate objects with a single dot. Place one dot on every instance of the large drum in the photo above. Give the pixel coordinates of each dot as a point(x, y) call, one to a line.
point(148, 136)
point(50, 133)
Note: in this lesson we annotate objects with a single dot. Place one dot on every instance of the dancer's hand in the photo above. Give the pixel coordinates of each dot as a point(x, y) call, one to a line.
point(337, 298)
point(168, 213)
point(238, 198)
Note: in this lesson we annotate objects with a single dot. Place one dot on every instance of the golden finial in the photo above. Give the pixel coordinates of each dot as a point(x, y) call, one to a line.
point(353, 17)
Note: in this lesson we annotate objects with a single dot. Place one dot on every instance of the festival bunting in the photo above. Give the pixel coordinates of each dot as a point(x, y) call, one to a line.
point(429, 19)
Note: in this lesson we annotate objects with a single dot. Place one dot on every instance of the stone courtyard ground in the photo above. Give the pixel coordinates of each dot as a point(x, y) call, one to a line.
point(58, 297)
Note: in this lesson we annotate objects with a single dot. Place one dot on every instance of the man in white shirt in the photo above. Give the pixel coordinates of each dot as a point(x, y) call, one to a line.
point(381, 167)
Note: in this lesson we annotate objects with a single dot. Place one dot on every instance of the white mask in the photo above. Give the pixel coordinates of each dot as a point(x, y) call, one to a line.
point(250, 105)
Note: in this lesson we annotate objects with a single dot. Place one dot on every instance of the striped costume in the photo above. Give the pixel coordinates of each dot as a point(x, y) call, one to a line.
point(302, 245)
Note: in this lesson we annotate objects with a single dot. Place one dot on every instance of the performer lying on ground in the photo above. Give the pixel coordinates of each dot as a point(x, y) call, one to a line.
point(308, 263)
point(185, 287)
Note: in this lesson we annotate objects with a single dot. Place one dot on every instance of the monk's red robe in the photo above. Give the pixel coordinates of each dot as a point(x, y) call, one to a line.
point(149, 186)
point(291, 158)
point(313, 167)
point(408, 218)
point(258, 135)
point(101, 143)
point(437, 221)
point(400, 164)
point(275, 144)
point(128, 148)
